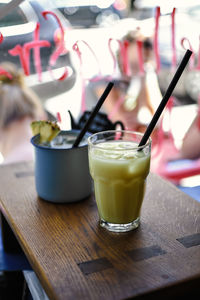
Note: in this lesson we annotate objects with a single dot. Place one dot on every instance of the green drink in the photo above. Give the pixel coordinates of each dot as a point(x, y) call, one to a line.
point(119, 170)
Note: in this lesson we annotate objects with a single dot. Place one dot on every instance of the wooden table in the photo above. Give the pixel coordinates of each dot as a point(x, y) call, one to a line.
point(76, 259)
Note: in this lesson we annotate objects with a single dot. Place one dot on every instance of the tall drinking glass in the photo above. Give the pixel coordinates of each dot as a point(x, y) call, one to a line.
point(119, 169)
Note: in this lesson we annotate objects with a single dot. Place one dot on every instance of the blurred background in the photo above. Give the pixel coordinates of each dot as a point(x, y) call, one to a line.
point(66, 73)
point(95, 22)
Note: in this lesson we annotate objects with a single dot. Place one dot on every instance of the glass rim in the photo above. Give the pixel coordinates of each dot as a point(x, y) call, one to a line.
point(149, 141)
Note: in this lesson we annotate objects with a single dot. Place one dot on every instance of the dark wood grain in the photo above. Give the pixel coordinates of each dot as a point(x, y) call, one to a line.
point(76, 259)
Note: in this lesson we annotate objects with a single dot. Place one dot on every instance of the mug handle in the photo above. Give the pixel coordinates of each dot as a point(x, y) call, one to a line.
point(119, 123)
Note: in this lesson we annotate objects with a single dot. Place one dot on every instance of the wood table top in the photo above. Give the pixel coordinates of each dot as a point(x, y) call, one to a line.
point(74, 258)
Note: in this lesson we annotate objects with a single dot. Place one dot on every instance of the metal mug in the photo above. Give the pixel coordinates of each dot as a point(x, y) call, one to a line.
point(62, 175)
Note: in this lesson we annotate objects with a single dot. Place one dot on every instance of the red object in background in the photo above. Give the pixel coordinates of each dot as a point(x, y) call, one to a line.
point(185, 40)
point(155, 42)
point(79, 53)
point(198, 113)
point(58, 39)
point(123, 48)
point(140, 56)
point(110, 41)
point(60, 47)
point(4, 72)
point(163, 147)
point(18, 51)
point(173, 39)
point(126, 65)
point(58, 117)
point(1, 37)
point(180, 169)
point(124, 56)
point(164, 154)
point(198, 63)
point(36, 53)
point(120, 4)
point(24, 52)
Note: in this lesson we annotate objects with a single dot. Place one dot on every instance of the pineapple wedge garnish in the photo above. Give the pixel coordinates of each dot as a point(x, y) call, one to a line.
point(48, 130)
point(35, 126)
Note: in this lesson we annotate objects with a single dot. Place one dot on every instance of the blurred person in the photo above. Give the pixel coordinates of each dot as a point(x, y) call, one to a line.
point(19, 106)
point(190, 148)
point(189, 152)
point(131, 99)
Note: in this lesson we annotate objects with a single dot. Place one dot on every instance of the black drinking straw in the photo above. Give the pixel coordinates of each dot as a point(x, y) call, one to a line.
point(165, 98)
point(93, 113)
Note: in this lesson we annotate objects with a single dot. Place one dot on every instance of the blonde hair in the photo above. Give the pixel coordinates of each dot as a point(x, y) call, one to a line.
point(17, 100)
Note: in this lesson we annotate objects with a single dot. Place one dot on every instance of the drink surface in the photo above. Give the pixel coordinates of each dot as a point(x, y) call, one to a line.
point(119, 171)
point(64, 140)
